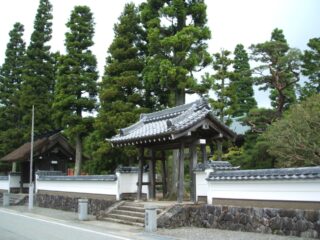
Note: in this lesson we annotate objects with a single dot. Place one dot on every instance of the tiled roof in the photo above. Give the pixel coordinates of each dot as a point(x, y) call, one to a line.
point(124, 169)
point(266, 174)
point(216, 165)
point(40, 146)
point(79, 178)
point(159, 126)
point(4, 178)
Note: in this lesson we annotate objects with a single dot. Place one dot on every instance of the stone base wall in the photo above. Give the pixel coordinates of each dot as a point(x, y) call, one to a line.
point(302, 223)
point(132, 196)
point(70, 202)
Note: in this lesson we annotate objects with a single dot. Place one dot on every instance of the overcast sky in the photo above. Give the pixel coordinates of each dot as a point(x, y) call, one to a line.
point(231, 22)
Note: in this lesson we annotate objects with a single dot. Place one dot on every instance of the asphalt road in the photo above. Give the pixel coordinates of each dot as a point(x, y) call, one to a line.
point(21, 226)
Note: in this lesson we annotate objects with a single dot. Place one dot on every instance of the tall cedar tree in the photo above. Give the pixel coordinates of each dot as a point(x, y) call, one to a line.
point(121, 95)
point(76, 87)
point(10, 86)
point(176, 38)
point(242, 81)
point(38, 77)
point(311, 68)
point(225, 102)
point(282, 64)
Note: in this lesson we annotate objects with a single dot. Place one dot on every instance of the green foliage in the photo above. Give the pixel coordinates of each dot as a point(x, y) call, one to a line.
point(278, 70)
point(295, 139)
point(242, 81)
point(311, 68)
point(38, 76)
point(76, 87)
point(225, 103)
point(176, 40)
point(10, 87)
point(121, 93)
point(253, 154)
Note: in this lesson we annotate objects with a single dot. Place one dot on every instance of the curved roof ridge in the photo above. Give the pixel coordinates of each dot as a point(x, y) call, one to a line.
point(169, 112)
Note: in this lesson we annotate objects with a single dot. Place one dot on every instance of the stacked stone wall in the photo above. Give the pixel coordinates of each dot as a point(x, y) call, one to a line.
point(70, 202)
point(295, 222)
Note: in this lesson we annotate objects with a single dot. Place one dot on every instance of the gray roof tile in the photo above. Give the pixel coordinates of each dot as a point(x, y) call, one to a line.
point(160, 125)
point(216, 165)
point(267, 174)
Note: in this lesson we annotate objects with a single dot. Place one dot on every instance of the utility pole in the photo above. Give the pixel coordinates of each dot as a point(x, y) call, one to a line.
point(31, 187)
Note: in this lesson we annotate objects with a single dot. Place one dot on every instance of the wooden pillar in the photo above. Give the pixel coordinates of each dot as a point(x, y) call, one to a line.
point(204, 153)
point(181, 174)
point(164, 174)
point(140, 173)
point(192, 165)
point(152, 175)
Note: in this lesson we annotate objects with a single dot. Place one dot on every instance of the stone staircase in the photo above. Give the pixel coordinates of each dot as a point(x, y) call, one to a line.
point(16, 199)
point(130, 213)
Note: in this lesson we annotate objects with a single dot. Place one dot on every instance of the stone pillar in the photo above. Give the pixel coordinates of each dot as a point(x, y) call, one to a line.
point(83, 209)
point(150, 219)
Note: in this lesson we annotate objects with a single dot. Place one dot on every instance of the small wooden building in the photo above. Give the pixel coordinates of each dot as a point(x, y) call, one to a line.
point(52, 152)
point(184, 126)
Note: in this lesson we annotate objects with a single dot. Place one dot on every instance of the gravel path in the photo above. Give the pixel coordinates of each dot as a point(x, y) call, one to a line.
point(207, 233)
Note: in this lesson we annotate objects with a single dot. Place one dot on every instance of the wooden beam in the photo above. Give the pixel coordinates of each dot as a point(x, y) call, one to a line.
point(152, 175)
point(140, 174)
point(148, 183)
point(192, 165)
point(181, 174)
point(204, 154)
point(164, 174)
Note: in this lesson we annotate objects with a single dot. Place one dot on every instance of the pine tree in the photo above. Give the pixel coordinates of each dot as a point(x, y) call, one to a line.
point(38, 76)
point(311, 68)
point(242, 81)
point(10, 86)
point(283, 64)
point(121, 95)
point(76, 86)
point(176, 37)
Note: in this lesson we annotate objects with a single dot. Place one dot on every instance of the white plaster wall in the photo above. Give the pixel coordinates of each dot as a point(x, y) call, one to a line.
point(4, 185)
point(14, 181)
point(285, 190)
point(201, 183)
point(93, 187)
point(128, 183)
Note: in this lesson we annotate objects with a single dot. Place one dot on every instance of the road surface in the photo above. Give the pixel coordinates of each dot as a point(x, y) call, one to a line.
point(23, 226)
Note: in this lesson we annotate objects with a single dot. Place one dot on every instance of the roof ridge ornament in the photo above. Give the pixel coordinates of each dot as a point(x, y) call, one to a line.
point(171, 122)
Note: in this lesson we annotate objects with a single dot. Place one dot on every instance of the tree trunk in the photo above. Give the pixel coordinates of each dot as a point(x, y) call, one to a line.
point(78, 163)
point(281, 102)
point(180, 99)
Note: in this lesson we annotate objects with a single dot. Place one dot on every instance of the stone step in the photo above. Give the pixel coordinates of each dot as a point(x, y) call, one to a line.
point(126, 218)
point(134, 204)
point(131, 208)
point(128, 213)
point(122, 221)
